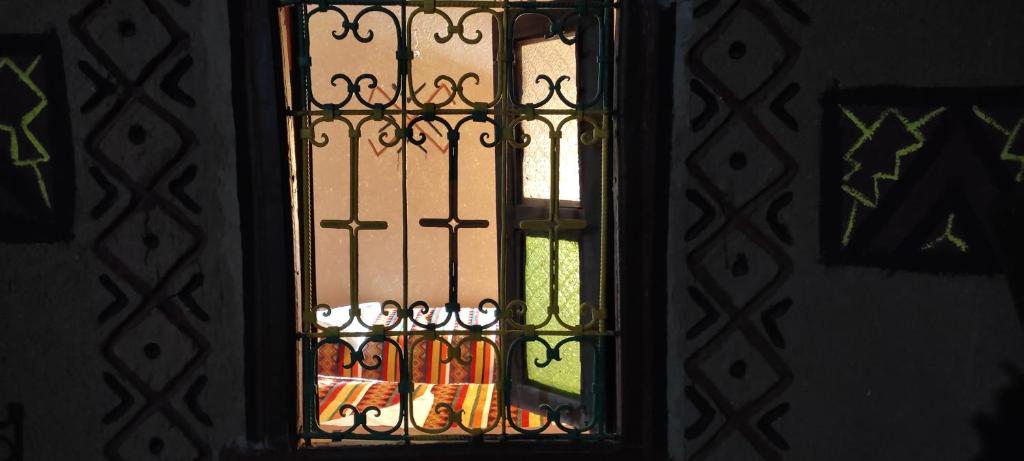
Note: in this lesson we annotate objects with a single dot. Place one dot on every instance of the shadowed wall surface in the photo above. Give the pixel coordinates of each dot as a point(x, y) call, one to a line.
point(785, 357)
point(126, 340)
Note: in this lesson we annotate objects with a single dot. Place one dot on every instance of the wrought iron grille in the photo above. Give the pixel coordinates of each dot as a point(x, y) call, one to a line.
point(398, 122)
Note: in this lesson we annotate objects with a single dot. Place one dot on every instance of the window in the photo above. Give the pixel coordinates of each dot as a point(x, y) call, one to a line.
point(452, 217)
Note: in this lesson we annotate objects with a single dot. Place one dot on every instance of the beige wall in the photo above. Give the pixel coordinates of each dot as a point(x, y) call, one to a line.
point(380, 170)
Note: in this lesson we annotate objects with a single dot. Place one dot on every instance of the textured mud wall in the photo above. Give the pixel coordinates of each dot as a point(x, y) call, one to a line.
point(782, 356)
point(124, 340)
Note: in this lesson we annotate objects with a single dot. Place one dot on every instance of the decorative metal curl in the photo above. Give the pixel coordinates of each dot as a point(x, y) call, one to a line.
point(480, 307)
point(559, 26)
point(424, 309)
point(359, 419)
point(453, 29)
point(353, 87)
point(553, 413)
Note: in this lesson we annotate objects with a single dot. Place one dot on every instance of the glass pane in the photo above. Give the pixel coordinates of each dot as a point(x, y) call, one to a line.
point(563, 375)
point(397, 219)
point(553, 59)
point(383, 193)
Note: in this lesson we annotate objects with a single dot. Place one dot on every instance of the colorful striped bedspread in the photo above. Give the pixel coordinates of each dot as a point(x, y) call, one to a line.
point(430, 360)
point(477, 402)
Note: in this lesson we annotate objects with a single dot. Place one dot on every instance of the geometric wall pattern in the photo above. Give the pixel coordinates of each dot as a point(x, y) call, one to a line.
point(144, 163)
point(737, 245)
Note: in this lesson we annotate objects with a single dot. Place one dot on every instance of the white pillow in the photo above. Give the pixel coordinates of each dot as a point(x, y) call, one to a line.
point(337, 317)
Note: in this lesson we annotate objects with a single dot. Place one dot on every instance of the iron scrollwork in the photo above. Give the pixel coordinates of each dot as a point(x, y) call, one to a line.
point(350, 105)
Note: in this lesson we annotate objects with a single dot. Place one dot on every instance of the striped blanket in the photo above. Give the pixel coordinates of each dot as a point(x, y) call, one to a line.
point(477, 402)
point(430, 361)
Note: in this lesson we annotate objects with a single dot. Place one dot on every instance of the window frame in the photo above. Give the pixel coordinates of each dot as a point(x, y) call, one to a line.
point(531, 29)
point(639, 191)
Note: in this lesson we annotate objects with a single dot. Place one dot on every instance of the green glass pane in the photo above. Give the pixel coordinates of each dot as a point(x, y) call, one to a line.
point(563, 375)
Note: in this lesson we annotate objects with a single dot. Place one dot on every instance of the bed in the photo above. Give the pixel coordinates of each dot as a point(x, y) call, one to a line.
point(468, 385)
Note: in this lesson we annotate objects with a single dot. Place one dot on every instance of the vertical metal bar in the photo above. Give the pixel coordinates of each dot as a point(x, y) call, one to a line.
point(553, 307)
point(308, 343)
point(405, 36)
point(607, 71)
point(502, 119)
point(453, 213)
point(607, 166)
point(590, 91)
point(353, 212)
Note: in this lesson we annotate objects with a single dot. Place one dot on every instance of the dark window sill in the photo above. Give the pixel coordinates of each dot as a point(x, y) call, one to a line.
point(449, 451)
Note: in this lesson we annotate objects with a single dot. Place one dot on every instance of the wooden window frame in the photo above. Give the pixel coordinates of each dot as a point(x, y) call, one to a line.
point(530, 394)
point(640, 160)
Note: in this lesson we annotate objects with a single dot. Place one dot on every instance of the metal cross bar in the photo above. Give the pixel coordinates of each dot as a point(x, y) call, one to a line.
point(353, 106)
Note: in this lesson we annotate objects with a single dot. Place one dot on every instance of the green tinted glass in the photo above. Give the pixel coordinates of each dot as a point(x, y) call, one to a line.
point(563, 375)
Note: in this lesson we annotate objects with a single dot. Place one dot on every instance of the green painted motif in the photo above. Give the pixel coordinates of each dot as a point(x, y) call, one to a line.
point(24, 75)
point(871, 198)
point(1011, 138)
point(563, 375)
point(948, 236)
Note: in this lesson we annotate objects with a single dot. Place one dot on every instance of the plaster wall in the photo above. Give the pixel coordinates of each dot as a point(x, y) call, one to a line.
point(876, 364)
point(126, 341)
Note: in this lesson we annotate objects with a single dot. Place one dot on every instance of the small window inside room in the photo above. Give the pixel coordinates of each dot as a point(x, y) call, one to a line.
point(451, 214)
